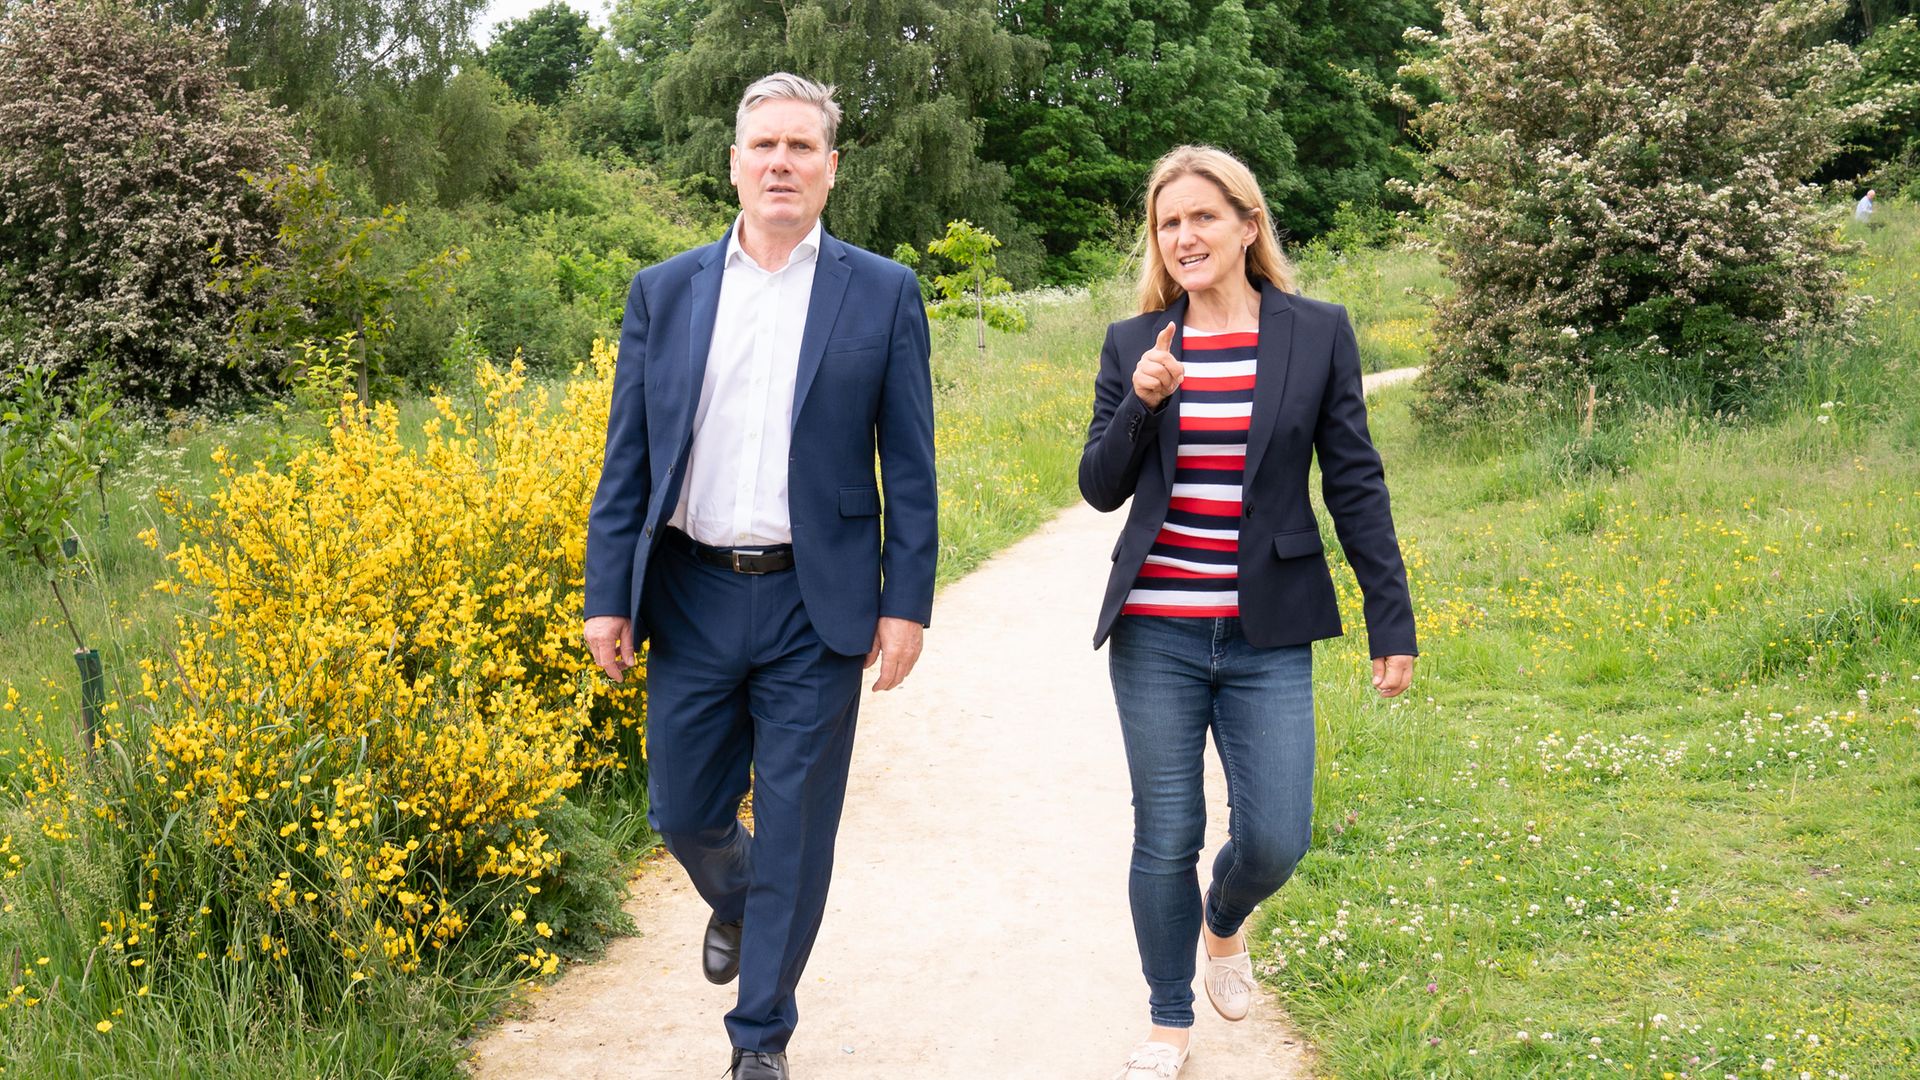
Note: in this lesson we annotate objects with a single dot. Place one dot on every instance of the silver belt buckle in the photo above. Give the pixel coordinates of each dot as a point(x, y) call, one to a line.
point(736, 562)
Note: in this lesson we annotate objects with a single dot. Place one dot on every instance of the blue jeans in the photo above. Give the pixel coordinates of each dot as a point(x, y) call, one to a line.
point(1174, 679)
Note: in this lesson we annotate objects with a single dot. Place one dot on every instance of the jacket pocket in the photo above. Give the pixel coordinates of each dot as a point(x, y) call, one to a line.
point(856, 344)
point(1297, 543)
point(859, 502)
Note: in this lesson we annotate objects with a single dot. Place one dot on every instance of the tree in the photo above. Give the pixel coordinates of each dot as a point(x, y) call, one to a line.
point(363, 76)
point(304, 51)
point(540, 56)
point(1335, 65)
point(1295, 88)
point(913, 75)
point(121, 149)
point(1885, 147)
point(1621, 186)
point(1124, 82)
point(969, 292)
point(613, 106)
point(50, 449)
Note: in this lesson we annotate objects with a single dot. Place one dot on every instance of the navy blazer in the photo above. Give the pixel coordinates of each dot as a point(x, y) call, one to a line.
point(1307, 399)
point(864, 385)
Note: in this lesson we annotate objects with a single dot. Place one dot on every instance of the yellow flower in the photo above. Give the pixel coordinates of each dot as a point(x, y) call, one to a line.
point(103, 1026)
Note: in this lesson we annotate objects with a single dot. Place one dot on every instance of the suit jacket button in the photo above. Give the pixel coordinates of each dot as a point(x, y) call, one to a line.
point(1247, 510)
point(649, 532)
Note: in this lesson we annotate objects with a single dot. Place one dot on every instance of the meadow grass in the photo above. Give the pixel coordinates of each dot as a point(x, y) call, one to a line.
point(1388, 295)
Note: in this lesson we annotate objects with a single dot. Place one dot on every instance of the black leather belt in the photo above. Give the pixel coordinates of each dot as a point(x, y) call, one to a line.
point(755, 560)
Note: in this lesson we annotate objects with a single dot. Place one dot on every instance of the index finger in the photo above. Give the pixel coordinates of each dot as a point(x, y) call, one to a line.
point(1165, 340)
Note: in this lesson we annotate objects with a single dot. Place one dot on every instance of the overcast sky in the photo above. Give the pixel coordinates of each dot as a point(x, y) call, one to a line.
point(508, 10)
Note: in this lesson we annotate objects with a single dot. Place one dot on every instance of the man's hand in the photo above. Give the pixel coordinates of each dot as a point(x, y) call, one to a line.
point(1158, 374)
point(1392, 674)
point(896, 644)
point(610, 639)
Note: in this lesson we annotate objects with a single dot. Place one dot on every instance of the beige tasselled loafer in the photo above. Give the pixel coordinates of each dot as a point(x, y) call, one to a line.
point(1229, 982)
point(1153, 1061)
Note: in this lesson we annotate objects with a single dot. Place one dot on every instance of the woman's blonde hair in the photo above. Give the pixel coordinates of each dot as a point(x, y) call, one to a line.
point(1265, 261)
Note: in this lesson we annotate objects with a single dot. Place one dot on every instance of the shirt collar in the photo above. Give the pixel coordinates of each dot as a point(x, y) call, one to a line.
point(808, 248)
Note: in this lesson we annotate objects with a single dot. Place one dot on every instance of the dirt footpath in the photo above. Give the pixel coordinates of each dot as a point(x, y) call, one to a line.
point(978, 925)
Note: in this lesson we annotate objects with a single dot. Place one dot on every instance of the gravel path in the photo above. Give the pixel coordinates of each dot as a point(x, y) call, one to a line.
point(978, 926)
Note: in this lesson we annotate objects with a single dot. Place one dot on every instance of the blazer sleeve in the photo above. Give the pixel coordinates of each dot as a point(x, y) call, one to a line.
point(620, 503)
point(910, 541)
point(1118, 436)
point(1354, 485)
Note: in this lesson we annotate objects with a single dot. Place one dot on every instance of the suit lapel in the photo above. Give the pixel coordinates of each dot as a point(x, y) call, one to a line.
point(830, 275)
point(1270, 372)
point(705, 292)
point(1170, 417)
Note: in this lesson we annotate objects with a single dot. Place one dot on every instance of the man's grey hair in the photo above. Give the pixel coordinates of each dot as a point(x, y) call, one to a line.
point(783, 86)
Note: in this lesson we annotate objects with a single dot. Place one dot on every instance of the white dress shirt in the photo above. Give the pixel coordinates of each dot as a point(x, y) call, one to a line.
point(735, 491)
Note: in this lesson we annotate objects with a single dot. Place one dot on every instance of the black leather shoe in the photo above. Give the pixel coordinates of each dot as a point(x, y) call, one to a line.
point(754, 1065)
point(720, 952)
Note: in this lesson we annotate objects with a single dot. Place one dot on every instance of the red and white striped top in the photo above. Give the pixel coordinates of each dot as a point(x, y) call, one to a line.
point(1193, 568)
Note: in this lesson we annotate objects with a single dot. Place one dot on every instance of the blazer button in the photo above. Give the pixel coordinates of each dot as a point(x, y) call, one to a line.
point(1246, 510)
point(649, 532)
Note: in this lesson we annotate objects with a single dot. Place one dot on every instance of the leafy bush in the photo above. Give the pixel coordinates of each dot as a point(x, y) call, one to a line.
point(324, 281)
point(550, 265)
point(1885, 147)
point(1621, 189)
point(121, 151)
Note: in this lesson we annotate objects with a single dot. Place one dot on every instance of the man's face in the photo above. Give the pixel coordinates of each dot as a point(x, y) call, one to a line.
point(782, 167)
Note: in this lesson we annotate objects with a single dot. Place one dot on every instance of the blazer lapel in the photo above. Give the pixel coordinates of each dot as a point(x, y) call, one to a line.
point(1170, 416)
point(705, 292)
point(830, 275)
point(1270, 372)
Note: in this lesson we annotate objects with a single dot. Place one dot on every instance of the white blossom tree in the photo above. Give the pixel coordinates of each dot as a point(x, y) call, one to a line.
point(1622, 191)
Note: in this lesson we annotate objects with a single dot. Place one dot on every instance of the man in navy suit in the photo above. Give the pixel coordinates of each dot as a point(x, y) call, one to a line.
point(738, 528)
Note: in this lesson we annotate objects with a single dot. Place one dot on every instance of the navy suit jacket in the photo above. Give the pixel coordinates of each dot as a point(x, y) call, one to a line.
point(1307, 399)
point(864, 385)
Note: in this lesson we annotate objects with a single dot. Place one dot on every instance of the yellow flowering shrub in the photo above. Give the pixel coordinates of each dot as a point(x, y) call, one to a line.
point(381, 690)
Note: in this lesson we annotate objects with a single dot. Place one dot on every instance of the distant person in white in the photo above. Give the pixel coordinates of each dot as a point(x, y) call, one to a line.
point(1863, 210)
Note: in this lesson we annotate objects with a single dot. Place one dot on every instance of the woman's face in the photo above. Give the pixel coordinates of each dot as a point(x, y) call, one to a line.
point(1202, 239)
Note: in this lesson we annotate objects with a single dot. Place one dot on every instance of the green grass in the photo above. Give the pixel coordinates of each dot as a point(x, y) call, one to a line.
point(1388, 297)
point(1655, 789)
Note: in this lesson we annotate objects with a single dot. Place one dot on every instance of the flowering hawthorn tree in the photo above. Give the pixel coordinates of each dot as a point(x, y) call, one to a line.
point(1621, 189)
point(121, 151)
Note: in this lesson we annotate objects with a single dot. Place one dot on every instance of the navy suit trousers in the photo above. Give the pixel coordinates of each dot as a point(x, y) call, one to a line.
point(740, 690)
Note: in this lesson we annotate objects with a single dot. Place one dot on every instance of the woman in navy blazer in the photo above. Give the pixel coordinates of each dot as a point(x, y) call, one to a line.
point(1208, 410)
